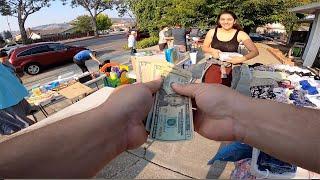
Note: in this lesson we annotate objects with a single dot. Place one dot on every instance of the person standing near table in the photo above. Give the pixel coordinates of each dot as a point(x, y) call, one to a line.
point(179, 38)
point(13, 107)
point(83, 56)
point(162, 38)
point(132, 42)
point(226, 38)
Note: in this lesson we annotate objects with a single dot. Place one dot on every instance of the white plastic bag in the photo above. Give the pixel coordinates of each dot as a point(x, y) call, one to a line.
point(265, 174)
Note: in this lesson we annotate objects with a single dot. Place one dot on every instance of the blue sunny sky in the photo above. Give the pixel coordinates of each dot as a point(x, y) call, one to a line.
point(56, 13)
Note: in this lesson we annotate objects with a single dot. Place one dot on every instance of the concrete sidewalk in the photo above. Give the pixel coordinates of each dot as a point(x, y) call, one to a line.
point(265, 57)
point(162, 160)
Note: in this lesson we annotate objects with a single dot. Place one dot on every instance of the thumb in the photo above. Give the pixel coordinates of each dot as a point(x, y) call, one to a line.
point(189, 90)
point(155, 85)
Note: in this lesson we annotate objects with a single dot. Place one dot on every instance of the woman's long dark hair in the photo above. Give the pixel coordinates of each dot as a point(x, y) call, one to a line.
point(236, 26)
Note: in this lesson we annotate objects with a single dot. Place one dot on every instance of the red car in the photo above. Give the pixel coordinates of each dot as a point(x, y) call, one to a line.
point(33, 58)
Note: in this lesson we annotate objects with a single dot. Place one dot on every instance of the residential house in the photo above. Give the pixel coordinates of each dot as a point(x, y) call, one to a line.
point(271, 28)
point(311, 54)
point(46, 34)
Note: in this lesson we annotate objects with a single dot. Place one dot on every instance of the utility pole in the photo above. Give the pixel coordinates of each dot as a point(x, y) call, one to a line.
point(9, 27)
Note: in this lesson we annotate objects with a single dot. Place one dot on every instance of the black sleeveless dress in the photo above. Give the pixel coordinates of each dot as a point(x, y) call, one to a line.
point(225, 46)
point(213, 74)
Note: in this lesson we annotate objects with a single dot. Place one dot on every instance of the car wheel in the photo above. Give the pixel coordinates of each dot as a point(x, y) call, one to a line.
point(32, 69)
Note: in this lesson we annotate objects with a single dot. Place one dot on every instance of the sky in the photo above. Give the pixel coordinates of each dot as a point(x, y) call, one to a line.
point(56, 13)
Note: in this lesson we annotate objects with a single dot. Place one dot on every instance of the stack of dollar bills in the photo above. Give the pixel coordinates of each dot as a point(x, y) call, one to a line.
point(171, 117)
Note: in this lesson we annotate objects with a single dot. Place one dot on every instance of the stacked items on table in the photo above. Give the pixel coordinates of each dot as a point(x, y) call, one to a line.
point(40, 95)
point(281, 83)
point(50, 90)
point(146, 53)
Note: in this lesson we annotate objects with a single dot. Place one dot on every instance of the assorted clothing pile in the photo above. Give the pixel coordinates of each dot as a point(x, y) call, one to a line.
point(281, 83)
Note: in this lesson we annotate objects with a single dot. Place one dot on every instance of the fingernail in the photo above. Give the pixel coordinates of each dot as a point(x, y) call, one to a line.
point(173, 84)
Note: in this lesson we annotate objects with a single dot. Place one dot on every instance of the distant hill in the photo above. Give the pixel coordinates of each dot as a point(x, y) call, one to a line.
point(53, 26)
point(68, 25)
point(117, 20)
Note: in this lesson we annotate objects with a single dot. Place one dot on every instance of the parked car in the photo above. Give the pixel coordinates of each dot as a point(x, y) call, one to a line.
point(33, 58)
point(257, 37)
point(198, 32)
point(9, 47)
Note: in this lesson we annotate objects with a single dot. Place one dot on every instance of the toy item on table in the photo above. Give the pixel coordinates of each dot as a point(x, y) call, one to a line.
point(113, 80)
point(124, 67)
point(106, 66)
point(117, 75)
point(124, 78)
point(116, 70)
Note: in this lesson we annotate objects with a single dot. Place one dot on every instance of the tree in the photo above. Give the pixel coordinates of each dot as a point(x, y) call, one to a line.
point(22, 9)
point(82, 24)
point(289, 19)
point(94, 7)
point(103, 22)
point(123, 6)
point(150, 14)
point(7, 35)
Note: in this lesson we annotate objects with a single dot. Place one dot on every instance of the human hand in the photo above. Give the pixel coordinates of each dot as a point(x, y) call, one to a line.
point(129, 106)
point(236, 60)
point(215, 53)
point(213, 118)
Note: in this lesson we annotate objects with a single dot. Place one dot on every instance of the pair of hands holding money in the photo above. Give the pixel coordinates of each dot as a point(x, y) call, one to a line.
point(212, 117)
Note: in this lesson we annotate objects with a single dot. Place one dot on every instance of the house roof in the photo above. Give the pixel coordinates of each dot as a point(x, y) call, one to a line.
point(312, 8)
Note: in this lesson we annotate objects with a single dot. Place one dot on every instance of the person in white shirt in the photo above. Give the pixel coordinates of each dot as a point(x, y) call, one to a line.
point(132, 42)
point(162, 39)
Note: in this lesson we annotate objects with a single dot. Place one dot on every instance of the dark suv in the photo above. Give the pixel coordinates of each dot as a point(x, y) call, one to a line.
point(33, 58)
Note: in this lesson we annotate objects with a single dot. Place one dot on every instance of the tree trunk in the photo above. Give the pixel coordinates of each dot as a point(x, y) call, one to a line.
point(94, 25)
point(23, 32)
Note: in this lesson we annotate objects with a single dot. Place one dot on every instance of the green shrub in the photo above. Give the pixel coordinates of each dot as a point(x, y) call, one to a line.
point(148, 42)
